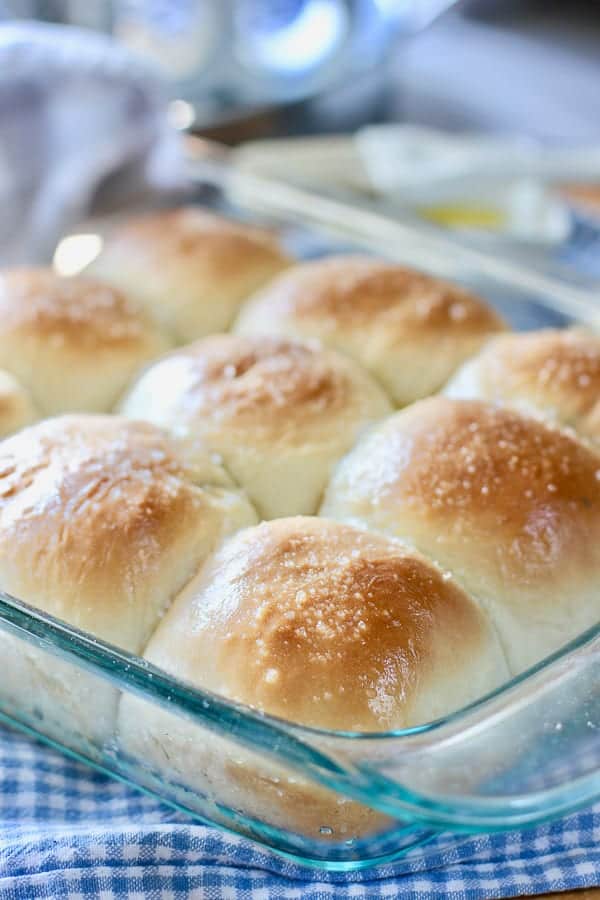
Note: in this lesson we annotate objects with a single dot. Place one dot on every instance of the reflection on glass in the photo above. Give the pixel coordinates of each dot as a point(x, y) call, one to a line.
point(291, 36)
point(75, 252)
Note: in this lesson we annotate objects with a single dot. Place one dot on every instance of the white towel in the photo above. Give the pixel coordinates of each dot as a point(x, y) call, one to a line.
point(82, 122)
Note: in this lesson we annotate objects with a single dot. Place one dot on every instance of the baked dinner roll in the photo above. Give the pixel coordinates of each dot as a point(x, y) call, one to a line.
point(16, 405)
point(509, 505)
point(280, 412)
point(73, 342)
point(188, 267)
point(101, 523)
point(323, 625)
point(554, 374)
point(411, 331)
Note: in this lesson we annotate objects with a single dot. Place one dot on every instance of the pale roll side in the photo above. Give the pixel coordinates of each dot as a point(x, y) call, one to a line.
point(16, 405)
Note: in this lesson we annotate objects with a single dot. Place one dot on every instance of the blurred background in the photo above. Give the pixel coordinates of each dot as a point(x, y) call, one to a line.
point(525, 65)
point(481, 116)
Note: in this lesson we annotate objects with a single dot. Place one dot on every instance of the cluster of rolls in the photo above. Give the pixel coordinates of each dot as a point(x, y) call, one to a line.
point(247, 510)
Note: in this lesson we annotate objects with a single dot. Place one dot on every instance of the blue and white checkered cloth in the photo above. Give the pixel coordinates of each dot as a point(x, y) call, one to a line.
point(68, 833)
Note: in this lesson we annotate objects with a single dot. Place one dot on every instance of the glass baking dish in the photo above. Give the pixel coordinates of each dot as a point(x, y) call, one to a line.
point(526, 754)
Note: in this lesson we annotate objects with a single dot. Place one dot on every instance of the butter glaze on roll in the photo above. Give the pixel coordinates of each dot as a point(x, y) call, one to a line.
point(101, 523)
point(411, 331)
point(506, 503)
point(188, 267)
point(552, 374)
point(74, 343)
point(281, 413)
point(16, 405)
point(320, 624)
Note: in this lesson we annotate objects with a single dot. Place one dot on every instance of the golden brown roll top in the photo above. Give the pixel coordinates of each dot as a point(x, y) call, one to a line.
point(320, 624)
point(552, 374)
point(16, 405)
point(411, 331)
point(329, 626)
point(74, 343)
point(509, 505)
point(188, 267)
point(280, 413)
point(102, 522)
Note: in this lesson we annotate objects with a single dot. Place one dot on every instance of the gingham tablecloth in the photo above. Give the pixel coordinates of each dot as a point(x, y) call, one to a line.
point(68, 833)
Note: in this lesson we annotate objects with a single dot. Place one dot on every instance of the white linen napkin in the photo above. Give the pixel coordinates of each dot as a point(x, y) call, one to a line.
point(82, 122)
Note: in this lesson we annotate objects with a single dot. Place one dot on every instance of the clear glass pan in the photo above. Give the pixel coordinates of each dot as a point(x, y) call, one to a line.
point(526, 754)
